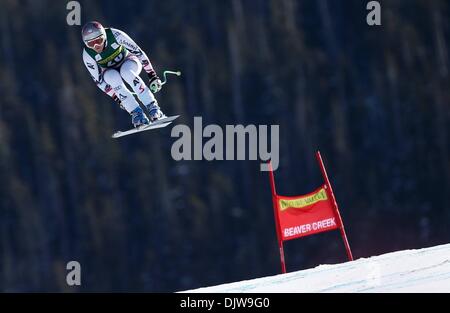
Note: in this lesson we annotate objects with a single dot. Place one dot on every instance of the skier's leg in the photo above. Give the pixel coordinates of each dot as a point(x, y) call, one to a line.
point(130, 71)
point(113, 78)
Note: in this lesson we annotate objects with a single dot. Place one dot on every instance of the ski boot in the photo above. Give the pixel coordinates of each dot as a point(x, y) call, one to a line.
point(138, 117)
point(154, 111)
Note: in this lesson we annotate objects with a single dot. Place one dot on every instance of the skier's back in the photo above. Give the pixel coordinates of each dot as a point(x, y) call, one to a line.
point(112, 58)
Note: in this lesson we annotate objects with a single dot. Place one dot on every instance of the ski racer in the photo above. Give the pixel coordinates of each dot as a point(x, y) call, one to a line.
point(113, 58)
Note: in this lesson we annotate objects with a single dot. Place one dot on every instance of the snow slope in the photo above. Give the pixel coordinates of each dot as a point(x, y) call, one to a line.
point(424, 270)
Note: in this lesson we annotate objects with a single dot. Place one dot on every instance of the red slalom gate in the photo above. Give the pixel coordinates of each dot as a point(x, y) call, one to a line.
point(305, 215)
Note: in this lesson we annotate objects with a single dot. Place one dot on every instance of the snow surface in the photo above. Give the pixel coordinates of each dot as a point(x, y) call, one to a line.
point(423, 271)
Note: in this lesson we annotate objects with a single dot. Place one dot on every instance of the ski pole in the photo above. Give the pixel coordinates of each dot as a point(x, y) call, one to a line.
point(178, 73)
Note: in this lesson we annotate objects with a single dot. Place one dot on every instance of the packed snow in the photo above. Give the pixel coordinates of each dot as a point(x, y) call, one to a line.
point(423, 271)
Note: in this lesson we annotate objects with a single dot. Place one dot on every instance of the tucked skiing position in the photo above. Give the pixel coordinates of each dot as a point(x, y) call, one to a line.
point(113, 58)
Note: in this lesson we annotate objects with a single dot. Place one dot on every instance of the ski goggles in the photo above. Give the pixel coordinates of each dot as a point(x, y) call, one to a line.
point(99, 41)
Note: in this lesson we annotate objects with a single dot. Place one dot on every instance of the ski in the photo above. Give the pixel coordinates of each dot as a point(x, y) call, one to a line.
point(163, 122)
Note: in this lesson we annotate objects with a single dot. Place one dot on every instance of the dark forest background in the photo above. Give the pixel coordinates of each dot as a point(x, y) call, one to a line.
point(374, 100)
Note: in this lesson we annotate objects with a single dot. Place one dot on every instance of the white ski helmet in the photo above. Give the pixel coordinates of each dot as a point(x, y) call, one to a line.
point(92, 30)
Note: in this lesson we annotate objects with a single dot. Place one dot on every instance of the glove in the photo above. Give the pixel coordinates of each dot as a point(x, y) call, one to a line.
point(155, 82)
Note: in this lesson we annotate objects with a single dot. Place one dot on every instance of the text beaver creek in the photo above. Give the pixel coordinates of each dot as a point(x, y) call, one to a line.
point(235, 139)
point(305, 228)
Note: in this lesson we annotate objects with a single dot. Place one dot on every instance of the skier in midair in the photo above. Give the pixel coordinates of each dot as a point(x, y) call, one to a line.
point(113, 58)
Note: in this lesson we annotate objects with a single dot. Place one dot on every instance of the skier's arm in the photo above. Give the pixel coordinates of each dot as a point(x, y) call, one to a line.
point(95, 72)
point(123, 39)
